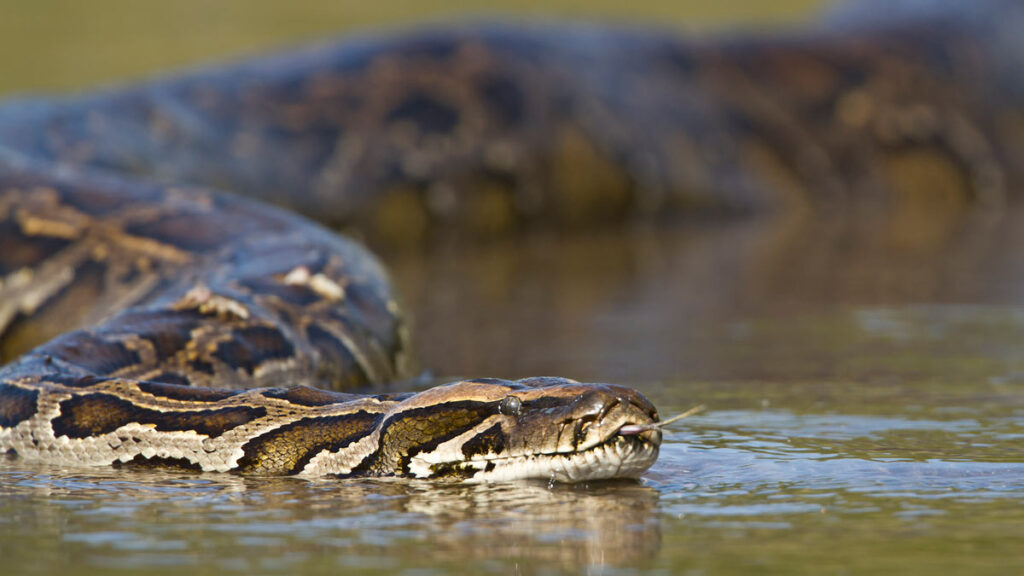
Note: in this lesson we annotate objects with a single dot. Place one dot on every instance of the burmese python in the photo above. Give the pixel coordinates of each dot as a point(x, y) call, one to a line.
point(222, 332)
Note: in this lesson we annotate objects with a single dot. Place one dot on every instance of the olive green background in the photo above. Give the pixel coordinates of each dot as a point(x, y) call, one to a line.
point(67, 44)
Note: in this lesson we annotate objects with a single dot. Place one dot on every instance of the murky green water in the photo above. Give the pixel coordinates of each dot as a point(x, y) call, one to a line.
point(772, 489)
point(844, 477)
point(859, 422)
point(865, 415)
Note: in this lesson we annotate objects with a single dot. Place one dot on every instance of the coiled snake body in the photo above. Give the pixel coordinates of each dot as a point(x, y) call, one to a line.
point(215, 333)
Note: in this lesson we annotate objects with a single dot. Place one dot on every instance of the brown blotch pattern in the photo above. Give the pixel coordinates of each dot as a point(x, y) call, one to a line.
point(172, 391)
point(74, 381)
point(98, 201)
point(338, 366)
point(158, 462)
point(16, 405)
point(20, 250)
point(96, 414)
point(249, 347)
point(93, 354)
point(428, 114)
point(168, 331)
point(288, 449)
point(167, 377)
point(419, 430)
point(490, 441)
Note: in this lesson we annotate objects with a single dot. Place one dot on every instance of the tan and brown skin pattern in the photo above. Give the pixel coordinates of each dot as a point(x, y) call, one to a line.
point(166, 317)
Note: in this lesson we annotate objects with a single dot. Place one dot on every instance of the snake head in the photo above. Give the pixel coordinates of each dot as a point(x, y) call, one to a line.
point(543, 428)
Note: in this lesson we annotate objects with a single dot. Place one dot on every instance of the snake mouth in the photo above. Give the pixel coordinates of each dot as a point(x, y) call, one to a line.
point(650, 432)
point(617, 456)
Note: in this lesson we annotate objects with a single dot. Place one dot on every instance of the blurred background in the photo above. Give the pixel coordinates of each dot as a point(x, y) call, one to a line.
point(712, 300)
point(66, 44)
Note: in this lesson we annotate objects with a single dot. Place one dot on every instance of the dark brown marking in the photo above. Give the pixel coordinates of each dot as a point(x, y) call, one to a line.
point(171, 378)
point(92, 353)
point(452, 471)
point(95, 201)
point(192, 231)
point(96, 414)
point(339, 368)
point(185, 392)
point(16, 405)
point(490, 441)
point(202, 366)
point(87, 381)
point(504, 100)
point(168, 331)
point(408, 433)
point(72, 380)
point(143, 463)
point(253, 345)
point(288, 449)
point(428, 114)
point(371, 465)
point(21, 250)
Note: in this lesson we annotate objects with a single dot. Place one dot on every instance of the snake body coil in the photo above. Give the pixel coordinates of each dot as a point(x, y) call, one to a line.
point(151, 321)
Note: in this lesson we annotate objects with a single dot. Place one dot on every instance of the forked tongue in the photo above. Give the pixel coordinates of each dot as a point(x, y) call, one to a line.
point(632, 429)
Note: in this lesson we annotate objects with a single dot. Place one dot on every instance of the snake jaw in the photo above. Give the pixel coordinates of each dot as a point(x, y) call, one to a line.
point(618, 457)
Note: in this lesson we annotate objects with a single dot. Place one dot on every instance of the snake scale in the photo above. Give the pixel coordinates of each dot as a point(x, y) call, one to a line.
point(149, 319)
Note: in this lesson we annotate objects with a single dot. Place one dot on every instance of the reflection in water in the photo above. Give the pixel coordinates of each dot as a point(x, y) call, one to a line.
point(112, 519)
point(587, 525)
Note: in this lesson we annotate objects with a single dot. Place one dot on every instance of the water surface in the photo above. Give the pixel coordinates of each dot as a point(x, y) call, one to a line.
point(865, 415)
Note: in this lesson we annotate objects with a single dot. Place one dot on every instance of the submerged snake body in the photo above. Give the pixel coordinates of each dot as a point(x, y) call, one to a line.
point(200, 306)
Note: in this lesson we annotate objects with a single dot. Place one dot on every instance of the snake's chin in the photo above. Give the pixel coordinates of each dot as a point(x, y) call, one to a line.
point(617, 457)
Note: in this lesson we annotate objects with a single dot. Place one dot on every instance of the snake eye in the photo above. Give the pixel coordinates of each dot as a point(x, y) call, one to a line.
point(510, 405)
